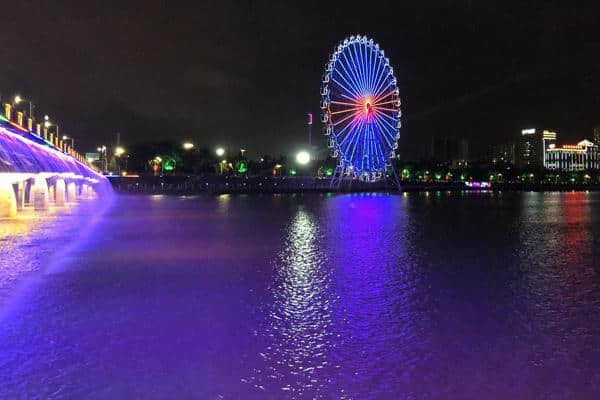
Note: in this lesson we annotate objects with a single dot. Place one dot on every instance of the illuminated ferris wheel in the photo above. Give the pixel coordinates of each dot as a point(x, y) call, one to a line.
point(361, 109)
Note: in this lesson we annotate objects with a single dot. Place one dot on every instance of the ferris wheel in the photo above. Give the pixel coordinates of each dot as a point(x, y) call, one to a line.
point(360, 109)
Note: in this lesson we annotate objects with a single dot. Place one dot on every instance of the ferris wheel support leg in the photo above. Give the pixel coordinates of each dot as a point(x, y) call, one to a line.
point(336, 178)
point(396, 180)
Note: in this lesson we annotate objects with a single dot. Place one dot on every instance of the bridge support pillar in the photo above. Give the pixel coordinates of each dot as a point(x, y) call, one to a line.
point(87, 191)
point(8, 200)
point(40, 194)
point(20, 195)
point(71, 192)
point(60, 192)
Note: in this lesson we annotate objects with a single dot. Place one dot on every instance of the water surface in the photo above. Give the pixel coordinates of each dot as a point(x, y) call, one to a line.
point(414, 296)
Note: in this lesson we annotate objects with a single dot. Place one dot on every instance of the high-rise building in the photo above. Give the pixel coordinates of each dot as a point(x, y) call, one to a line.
point(596, 137)
point(584, 155)
point(503, 153)
point(532, 146)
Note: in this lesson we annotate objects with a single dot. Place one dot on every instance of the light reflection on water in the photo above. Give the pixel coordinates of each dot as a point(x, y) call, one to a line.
point(439, 295)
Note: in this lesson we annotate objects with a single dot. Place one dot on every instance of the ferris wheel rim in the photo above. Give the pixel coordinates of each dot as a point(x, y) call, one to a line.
point(365, 103)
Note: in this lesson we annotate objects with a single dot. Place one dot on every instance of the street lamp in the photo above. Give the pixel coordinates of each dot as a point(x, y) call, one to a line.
point(103, 158)
point(48, 124)
point(303, 157)
point(18, 99)
point(65, 137)
point(220, 151)
point(242, 151)
point(119, 151)
point(188, 146)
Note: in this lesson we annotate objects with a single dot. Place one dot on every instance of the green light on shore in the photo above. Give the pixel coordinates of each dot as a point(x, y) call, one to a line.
point(329, 171)
point(292, 171)
point(169, 165)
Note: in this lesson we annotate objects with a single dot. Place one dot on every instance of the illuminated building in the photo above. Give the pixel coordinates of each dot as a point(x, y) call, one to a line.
point(584, 155)
point(532, 146)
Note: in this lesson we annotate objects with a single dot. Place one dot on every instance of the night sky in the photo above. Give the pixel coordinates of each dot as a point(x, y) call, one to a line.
point(246, 73)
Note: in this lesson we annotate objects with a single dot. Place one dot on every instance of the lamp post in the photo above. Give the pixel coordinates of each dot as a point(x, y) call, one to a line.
point(65, 137)
point(220, 151)
point(18, 99)
point(102, 151)
point(48, 124)
point(119, 152)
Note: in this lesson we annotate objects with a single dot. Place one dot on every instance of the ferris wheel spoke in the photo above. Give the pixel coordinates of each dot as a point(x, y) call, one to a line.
point(355, 138)
point(355, 109)
point(384, 87)
point(386, 118)
point(380, 76)
point(379, 100)
point(377, 71)
point(344, 119)
point(383, 109)
point(345, 104)
point(355, 93)
point(384, 132)
point(352, 74)
point(353, 125)
point(350, 81)
point(363, 65)
point(369, 58)
point(387, 121)
point(357, 66)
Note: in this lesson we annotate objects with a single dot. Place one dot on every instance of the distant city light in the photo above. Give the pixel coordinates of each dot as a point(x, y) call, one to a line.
point(18, 99)
point(220, 151)
point(303, 157)
point(46, 117)
point(530, 131)
point(188, 145)
point(119, 151)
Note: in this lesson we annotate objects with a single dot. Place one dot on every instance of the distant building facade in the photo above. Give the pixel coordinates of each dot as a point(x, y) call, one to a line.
point(584, 155)
point(504, 153)
point(449, 150)
point(532, 147)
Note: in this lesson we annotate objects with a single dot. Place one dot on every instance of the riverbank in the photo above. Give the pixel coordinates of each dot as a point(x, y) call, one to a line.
point(194, 185)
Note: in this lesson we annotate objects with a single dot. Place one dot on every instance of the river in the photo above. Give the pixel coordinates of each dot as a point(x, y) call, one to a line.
point(435, 295)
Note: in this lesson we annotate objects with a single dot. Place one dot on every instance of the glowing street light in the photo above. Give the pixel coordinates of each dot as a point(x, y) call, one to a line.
point(65, 137)
point(119, 151)
point(303, 157)
point(18, 99)
point(188, 146)
point(220, 152)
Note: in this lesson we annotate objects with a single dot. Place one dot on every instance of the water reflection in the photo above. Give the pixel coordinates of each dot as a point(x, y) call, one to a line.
point(299, 320)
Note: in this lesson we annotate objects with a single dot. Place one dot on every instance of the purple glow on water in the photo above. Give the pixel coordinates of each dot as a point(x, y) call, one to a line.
point(343, 296)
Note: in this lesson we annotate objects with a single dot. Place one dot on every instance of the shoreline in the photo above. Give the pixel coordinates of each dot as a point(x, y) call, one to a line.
point(198, 185)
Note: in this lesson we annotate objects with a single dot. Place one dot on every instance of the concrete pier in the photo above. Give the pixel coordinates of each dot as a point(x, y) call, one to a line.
point(60, 192)
point(40, 193)
point(8, 200)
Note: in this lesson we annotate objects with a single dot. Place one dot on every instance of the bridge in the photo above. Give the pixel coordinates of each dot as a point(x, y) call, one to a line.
point(38, 170)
